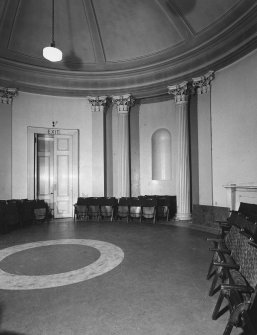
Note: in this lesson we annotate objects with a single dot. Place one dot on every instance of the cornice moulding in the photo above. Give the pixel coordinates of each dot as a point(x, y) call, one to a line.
point(142, 80)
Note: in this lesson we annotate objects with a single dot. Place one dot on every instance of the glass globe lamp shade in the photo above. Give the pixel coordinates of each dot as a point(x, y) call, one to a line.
point(52, 53)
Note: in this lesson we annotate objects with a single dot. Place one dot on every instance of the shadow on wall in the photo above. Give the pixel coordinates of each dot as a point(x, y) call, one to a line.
point(72, 61)
point(3, 331)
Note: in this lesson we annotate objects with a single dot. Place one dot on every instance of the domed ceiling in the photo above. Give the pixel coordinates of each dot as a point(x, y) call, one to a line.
point(121, 46)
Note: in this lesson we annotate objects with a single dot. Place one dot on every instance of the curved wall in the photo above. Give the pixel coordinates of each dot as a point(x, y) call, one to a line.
point(234, 124)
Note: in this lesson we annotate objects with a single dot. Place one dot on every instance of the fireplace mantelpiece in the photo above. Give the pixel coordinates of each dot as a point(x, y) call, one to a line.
point(237, 193)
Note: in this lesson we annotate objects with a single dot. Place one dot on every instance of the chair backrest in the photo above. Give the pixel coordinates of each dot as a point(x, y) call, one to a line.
point(248, 210)
point(124, 201)
point(162, 201)
point(81, 201)
point(250, 227)
point(108, 201)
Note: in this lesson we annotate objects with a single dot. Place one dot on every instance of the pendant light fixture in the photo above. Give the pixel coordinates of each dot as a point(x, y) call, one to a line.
point(52, 53)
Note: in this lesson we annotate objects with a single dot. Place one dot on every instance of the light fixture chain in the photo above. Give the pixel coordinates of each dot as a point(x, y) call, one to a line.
point(53, 22)
point(52, 53)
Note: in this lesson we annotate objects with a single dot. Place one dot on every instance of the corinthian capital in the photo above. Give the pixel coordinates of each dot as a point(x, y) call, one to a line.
point(180, 92)
point(202, 84)
point(123, 102)
point(98, 103)
point(7, 94)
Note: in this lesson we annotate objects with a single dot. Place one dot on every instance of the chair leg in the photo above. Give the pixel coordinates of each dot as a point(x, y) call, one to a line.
point(228, 329)
point(216, 310)
point(213, 284)
point(211, 270)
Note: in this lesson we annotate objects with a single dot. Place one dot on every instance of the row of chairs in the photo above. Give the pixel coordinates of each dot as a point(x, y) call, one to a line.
point(20, 212)
point(233, 269)
point(129, 208)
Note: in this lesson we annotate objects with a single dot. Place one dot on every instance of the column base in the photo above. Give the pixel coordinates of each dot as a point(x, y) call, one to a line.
point(183, 216)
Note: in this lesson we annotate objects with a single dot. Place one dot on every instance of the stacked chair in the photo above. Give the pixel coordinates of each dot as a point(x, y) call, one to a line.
point(135, 209)
point(20, 212)
point(233, 269)
point(3, 223)
point(95, 208)
point(108, 208)
point(163, 207)
point(81, 209)
point(142, 208)
point(123, 208)
point(93, 205)
point(148, 208)
point(12, 216)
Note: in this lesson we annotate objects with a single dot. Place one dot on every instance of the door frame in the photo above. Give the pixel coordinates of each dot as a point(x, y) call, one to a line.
point(31, 131)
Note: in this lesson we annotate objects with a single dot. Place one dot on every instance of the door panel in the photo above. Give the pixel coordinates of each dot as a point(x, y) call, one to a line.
point(45, 170)
point(63, 175)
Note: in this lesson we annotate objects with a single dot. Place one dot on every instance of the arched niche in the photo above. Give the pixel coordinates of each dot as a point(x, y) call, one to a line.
point(161, 154)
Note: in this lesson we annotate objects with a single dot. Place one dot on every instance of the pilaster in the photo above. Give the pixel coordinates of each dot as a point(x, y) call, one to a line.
point(202, 88)
point(98, 105)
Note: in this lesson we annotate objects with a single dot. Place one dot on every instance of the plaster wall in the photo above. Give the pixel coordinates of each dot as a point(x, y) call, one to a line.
point(134, 150)
point(194, 152)
point(5, 151)
point(39, 111)
point(153, 116)
point(234, 121)
point(115, 150)
point(204, 150)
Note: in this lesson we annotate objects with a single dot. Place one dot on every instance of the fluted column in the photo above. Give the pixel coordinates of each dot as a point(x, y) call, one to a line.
point(123, 105)
point(181, 93)
point(98, 106)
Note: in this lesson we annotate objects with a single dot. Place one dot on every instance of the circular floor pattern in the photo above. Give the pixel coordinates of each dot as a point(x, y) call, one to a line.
point(110, 257)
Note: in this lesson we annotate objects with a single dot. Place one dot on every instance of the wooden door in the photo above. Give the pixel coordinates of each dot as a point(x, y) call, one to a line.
point(63, 174)
point(44, 149)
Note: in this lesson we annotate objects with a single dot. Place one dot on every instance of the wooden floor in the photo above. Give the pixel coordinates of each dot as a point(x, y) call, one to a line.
point(157, 287)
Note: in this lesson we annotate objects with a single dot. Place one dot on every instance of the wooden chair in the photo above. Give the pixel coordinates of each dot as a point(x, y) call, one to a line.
point(222, 246)
point(123, 208)
point(162, 209)
point(148, 208)
point(3, 226)
point(240, 291)
point(135, 209)
point(93, 204)
point(108, 207)
point(81, 209)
